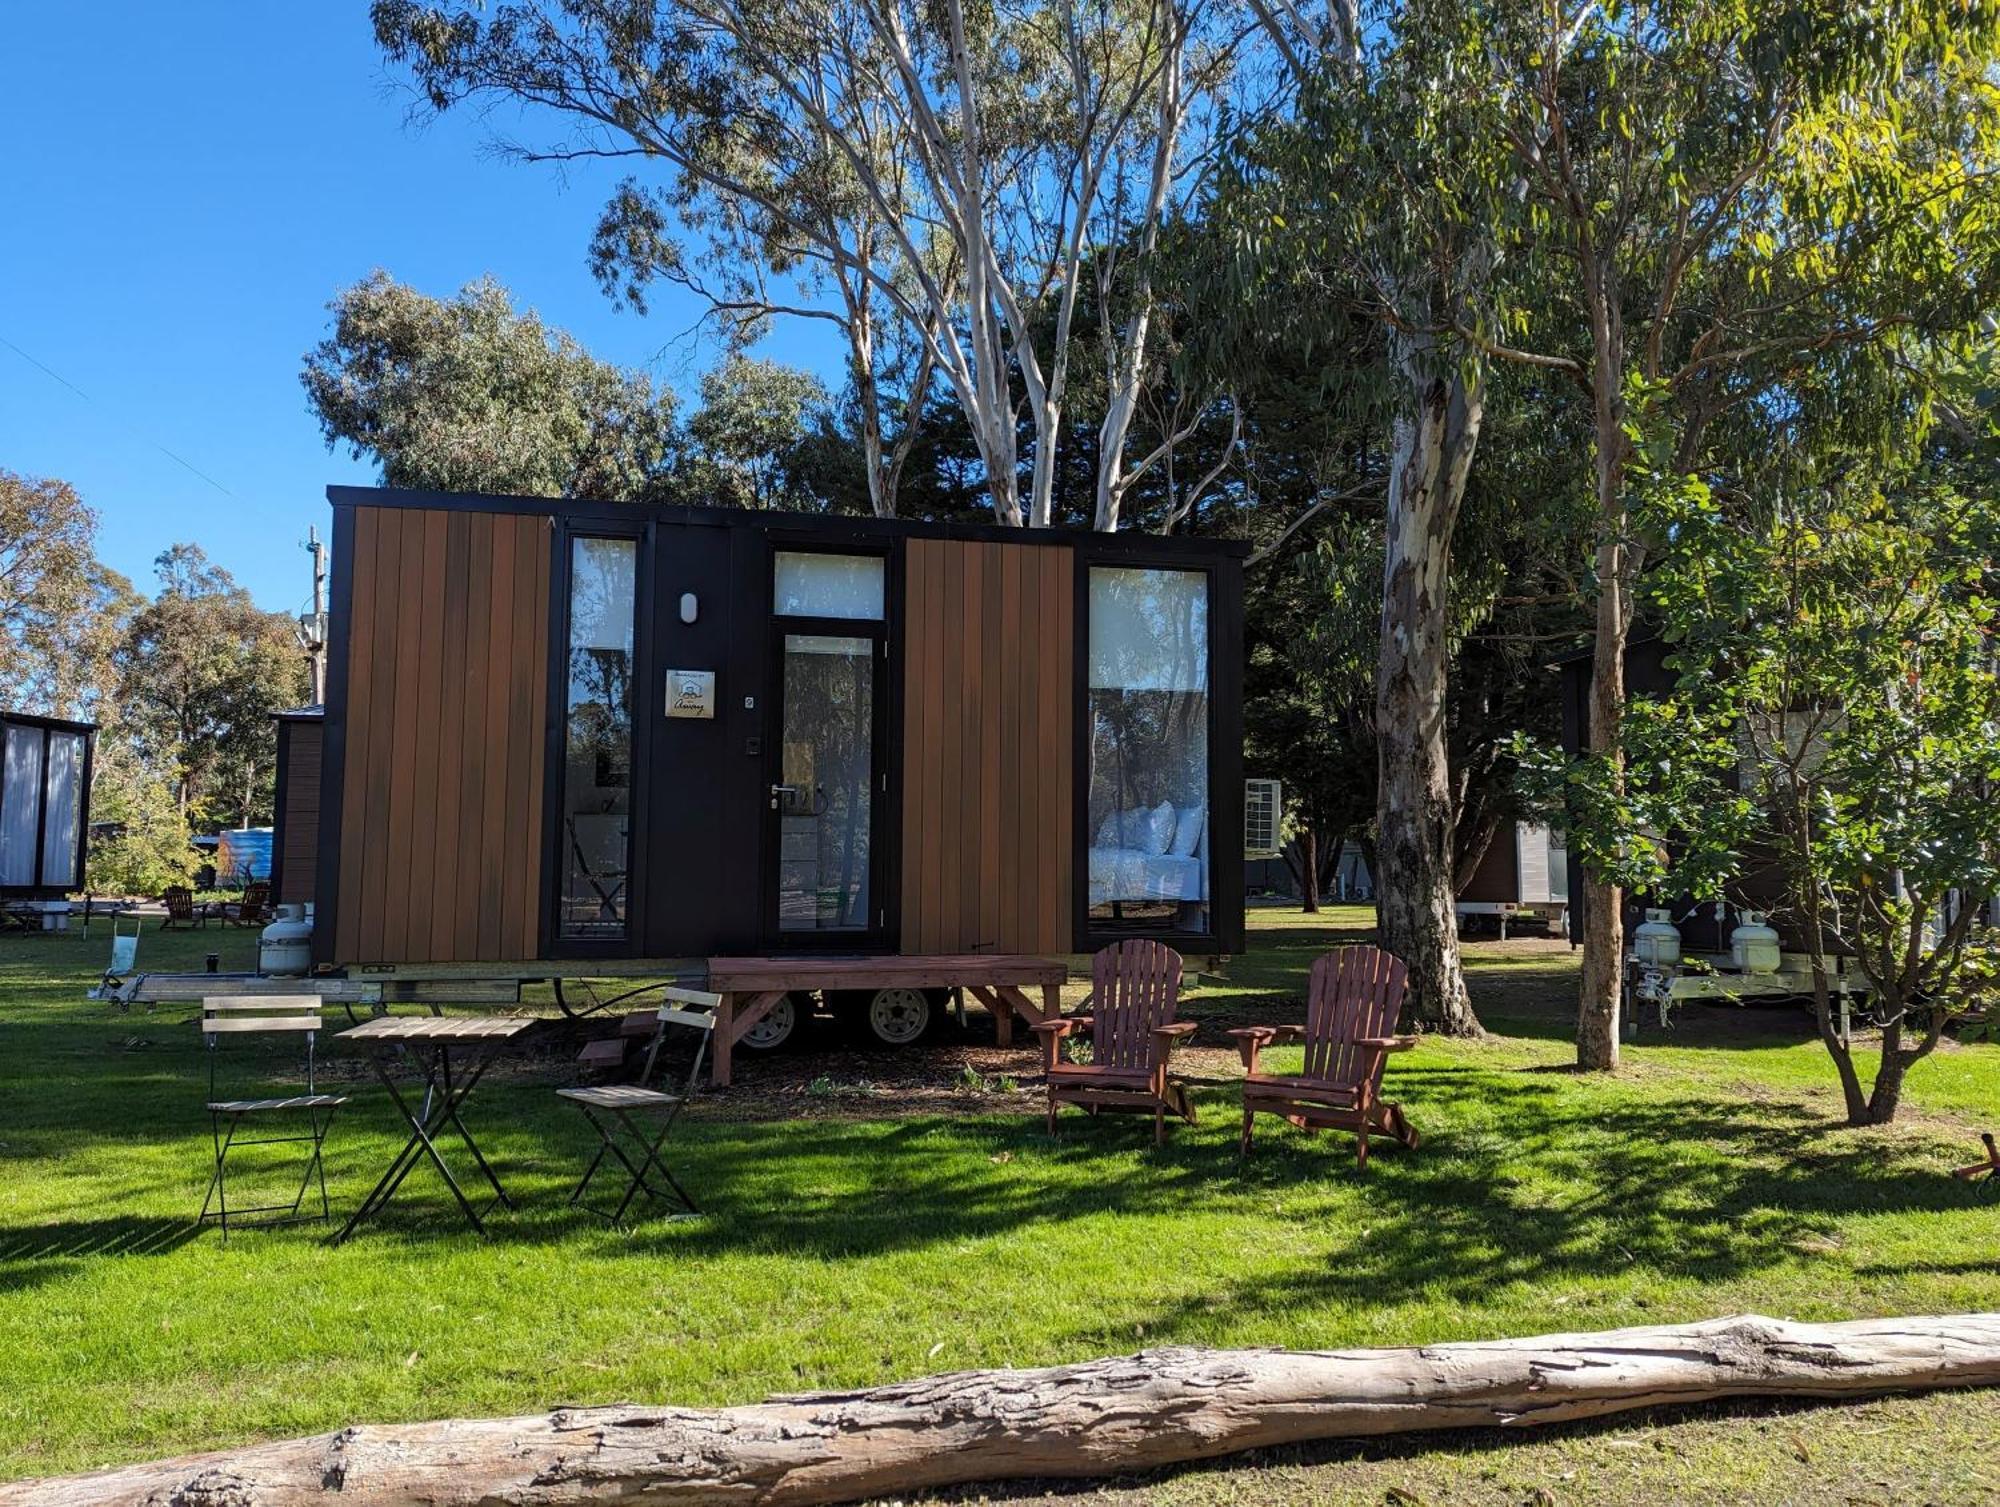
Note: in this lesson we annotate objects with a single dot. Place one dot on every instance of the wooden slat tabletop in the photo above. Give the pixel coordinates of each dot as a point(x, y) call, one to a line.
point(445, 1031)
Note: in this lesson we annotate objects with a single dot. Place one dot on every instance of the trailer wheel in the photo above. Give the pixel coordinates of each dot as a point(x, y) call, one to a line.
point(898, 1017)
point(774, 1029)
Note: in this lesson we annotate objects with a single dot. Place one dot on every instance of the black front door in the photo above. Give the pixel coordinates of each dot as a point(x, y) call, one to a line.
point(828, 787)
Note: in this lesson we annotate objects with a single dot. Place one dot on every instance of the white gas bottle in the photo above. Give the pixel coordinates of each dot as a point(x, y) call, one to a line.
point(1656, 941)
point(285, 946)
point(1753, 945)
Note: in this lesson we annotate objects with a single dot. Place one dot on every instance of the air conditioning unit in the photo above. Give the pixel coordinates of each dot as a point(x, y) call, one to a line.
point(1263, 813)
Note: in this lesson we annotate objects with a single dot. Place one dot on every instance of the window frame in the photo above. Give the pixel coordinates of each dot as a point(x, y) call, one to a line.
point(886, 826)
point(41, 886)
point(640, 533)
point(1225, 763)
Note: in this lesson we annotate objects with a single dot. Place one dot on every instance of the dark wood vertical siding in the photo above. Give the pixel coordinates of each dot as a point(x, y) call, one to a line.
point(1497, 876)
point(298, 814)
point(440, 825)
point(989, 655)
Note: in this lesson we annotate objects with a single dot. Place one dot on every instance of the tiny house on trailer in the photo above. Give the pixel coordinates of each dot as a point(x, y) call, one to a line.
point(561, 736)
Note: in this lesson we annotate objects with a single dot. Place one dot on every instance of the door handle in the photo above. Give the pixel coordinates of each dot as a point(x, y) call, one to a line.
point(779, 792)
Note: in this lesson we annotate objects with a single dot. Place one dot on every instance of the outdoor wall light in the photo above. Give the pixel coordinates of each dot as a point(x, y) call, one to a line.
point(690, 608)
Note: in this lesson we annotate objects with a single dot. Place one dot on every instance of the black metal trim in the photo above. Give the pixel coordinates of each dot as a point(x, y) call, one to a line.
point(555, 762)
point(42, 813)
point(884, 834)
point(41, 886)
point(841, 526)
point(280, 770)
point(333, 741)
point(82, 870)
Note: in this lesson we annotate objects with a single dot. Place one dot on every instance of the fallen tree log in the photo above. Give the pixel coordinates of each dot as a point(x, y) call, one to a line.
point(1159, 1407)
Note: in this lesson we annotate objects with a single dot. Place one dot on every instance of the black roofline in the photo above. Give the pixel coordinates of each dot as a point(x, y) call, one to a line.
point(59, 724)
point(774, 522)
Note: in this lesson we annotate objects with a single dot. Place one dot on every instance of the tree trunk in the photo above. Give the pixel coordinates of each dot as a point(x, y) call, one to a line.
point(1603, 903)
point(1136, 1412)
point(1309, 871)
point(1887, 1096)
point(1414, 813)
point(1838, 1050)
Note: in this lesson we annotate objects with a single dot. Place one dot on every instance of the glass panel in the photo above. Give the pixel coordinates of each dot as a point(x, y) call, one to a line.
point(1148, 711)
point(597, 773)
point(827, 586)
point(65, 797)
point(20, 804)
point(826, 795)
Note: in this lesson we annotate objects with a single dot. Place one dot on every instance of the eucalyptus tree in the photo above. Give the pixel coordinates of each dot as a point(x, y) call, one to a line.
point(748, 444)
point(1718, 195)
point(204, 670)
point(1376, 196)
point(60, 608)
point(950, 168)
point(467, 394)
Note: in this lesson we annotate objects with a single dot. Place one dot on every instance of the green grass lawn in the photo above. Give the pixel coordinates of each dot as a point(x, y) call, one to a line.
point(857, 1239)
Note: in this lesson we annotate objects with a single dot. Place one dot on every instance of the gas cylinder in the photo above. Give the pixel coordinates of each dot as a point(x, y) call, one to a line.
point(1753, 945)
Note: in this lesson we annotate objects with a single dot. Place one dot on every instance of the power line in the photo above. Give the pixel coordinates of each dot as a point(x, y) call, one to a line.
point(57, 376)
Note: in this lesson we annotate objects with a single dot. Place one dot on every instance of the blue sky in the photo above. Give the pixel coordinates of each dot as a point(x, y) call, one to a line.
point(185, 187)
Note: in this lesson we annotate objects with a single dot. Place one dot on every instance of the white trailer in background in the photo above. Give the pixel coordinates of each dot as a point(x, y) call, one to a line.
point(1525, 872)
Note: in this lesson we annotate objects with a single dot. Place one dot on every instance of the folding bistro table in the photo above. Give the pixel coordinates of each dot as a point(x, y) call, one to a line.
point(430, 1043)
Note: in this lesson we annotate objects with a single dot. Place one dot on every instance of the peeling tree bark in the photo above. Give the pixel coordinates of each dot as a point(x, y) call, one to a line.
point(1135, 1412)
point(1415, 814)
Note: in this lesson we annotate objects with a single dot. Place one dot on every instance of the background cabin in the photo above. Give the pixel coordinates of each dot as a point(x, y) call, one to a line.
point(1523, 872)
point(45, 767)
point(295, 840)
point(575, 730)
point(1703, 927)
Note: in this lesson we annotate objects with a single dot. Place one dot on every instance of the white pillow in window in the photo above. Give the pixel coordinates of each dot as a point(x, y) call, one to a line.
point(1188, 824)
point(1152, 831)
point(1107, 834)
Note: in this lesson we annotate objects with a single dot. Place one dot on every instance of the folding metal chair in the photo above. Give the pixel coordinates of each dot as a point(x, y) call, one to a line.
point(621, 1113)
point(264, 1015)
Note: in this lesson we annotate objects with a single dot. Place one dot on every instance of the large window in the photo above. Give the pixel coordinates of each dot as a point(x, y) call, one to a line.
point(597, 769)
point(21, 805)
point(1148, 750)
point(41, 806)
point(65, 809)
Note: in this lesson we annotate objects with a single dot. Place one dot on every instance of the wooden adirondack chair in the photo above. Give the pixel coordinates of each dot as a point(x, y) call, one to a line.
point(1351, 1009)
point(1135, 989)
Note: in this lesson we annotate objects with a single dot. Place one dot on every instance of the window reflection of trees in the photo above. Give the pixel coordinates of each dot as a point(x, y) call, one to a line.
point(598, 738)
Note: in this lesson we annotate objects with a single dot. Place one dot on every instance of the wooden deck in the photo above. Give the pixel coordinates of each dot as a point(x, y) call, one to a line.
point(751, 986)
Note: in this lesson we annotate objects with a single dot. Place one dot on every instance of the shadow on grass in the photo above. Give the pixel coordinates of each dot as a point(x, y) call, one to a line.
point(77, 1239)
point(1523, 1178)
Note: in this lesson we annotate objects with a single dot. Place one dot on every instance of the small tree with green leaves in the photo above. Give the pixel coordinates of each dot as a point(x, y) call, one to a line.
point(1837, 716)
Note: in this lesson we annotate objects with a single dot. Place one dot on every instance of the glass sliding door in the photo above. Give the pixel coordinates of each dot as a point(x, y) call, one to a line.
point(596, 836)
point(827, 786)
